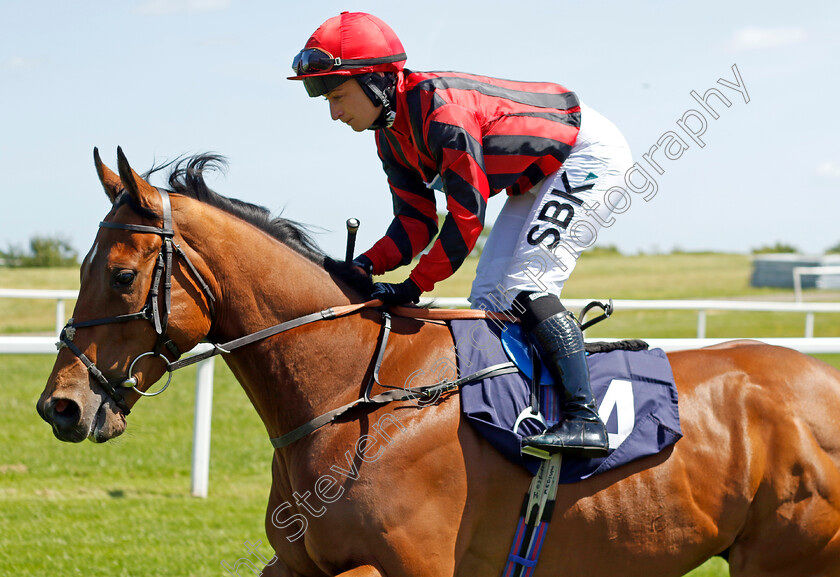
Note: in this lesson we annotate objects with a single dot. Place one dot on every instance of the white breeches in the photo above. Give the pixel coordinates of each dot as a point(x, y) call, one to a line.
point(538, 236)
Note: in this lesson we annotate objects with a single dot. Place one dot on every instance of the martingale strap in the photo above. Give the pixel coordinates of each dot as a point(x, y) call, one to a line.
point(396, 394)
point(537, 509)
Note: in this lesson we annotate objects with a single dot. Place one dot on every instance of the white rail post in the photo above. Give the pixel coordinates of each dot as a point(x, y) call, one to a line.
point(809, 325)
point(701, 324)
point(797, 283)
point(59, 316)
point(199, 478)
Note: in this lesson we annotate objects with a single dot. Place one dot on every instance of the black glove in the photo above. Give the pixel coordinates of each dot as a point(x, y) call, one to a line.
point(396, 294)
point(364, 263)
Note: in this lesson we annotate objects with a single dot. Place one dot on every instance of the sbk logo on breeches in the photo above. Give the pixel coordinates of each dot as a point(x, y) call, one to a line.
point(557, 214)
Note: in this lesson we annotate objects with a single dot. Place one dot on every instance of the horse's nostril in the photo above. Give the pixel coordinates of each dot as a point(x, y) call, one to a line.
point(65, 412)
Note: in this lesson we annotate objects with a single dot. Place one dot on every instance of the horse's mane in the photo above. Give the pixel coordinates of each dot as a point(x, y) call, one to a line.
point(187, 179)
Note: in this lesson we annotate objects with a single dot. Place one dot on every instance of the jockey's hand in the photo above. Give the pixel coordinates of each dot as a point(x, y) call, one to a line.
point(396, 294)
point(364, 263)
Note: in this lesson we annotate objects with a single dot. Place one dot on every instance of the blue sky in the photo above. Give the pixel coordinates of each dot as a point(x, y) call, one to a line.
point(164, 78)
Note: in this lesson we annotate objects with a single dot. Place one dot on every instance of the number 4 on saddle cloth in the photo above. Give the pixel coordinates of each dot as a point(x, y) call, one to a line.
point(635, 391)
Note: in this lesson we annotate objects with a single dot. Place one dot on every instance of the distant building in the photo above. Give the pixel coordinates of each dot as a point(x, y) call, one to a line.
point(776, 270)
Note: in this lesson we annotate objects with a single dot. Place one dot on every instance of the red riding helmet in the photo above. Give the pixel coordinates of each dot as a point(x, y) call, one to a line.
point(346, 45)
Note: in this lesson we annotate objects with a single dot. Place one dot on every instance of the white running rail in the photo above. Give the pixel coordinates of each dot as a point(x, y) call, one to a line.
point(204, 377)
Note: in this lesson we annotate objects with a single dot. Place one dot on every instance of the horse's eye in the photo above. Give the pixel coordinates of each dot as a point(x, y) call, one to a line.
point(123, 278)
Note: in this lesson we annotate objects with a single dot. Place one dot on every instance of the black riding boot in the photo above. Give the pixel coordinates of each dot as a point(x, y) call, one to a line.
point(559, 341)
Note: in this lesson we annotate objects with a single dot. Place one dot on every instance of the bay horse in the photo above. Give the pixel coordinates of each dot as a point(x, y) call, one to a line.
point(406, 489)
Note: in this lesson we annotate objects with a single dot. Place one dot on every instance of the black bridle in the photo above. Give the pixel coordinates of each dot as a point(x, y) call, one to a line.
point(160, 320)
point(151, 312)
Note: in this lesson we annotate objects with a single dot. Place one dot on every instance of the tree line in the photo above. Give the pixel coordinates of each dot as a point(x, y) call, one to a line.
point(43, 251)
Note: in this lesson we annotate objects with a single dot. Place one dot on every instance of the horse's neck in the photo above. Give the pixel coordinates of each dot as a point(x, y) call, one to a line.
point(261, 282)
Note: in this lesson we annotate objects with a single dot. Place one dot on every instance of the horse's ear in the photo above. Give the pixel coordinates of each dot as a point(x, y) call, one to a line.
point(143, 192)
point(110, 181)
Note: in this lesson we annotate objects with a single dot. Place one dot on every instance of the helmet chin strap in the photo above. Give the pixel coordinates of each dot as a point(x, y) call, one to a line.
point(380, 89)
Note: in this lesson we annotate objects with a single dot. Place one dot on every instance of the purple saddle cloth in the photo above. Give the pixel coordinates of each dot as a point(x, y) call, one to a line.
point(634, 390)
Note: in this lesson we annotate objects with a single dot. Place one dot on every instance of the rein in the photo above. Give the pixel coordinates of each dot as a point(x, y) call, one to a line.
point(151, 312)
point(336, 312)
point(162, 279)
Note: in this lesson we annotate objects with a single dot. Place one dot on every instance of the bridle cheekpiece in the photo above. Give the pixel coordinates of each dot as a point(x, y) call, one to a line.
point(151, 312)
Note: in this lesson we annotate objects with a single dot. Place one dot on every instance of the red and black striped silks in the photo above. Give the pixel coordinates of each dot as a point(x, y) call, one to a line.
point(473, 136)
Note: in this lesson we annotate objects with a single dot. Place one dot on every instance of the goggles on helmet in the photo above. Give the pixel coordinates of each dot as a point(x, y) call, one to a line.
point(312, 60)
point(316, 60)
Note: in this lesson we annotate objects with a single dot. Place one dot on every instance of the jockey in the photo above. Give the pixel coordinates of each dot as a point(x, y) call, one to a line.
point(472, 137)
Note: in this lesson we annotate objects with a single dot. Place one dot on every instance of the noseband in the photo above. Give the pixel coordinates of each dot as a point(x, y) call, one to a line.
point(150, 312)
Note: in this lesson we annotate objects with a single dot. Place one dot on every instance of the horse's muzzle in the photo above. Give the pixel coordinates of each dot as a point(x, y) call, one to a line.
point(65, 417)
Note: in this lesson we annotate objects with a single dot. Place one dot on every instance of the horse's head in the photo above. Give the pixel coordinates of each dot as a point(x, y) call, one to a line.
point(123, 334)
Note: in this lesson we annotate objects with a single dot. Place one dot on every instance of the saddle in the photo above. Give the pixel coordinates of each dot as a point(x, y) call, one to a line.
point(633, 385)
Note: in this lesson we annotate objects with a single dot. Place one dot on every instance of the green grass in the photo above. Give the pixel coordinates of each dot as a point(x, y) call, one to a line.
point(716, 567)
point(123, 508)
point(672, 276)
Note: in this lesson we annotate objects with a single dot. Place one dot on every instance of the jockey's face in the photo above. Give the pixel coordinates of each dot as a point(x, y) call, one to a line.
point(350, 105)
